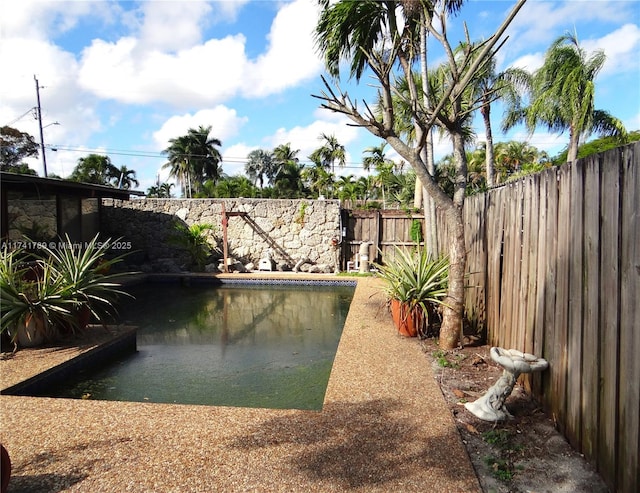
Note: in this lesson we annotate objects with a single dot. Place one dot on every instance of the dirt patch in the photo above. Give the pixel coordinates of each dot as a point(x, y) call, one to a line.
point(525, 454)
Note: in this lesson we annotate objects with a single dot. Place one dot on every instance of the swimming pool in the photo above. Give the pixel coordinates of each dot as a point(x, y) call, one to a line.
point(247, 345)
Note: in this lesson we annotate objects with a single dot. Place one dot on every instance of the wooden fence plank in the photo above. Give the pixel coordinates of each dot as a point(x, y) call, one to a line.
point(530, 240)
point(506, 274)
point(574, 321)
point(550, 283)
point(543, 243)
point(531, 243)
point(559, 375)
point(590, 398)
point(628, 478)
point(494, 245)
point(610, 285)
point(475, 238)
point(519, 291)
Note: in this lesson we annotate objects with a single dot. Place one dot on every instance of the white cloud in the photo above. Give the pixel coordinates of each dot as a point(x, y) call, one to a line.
point(291, 56)
point(204, 74)
point(621, 48)
point(172, 26)
point(224, 122)
point(529, 62)
point(38, 19)
point(307, 138)
point(167, 62)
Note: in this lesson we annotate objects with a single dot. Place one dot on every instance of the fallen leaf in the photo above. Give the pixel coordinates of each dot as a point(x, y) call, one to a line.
point(472, 429)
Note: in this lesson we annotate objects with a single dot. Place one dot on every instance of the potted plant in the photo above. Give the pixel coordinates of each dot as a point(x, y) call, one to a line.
point(33, 298)
point(88, 281)
point(55, 291)
point(415, 284)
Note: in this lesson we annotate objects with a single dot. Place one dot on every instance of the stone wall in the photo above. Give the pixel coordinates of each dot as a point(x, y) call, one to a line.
point(289, 231)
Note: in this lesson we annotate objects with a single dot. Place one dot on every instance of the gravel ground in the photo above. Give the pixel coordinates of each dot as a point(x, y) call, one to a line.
point(385, 426)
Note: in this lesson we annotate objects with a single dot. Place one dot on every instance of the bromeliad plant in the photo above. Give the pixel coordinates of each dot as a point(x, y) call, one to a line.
point(56, 291)
point(415, 285)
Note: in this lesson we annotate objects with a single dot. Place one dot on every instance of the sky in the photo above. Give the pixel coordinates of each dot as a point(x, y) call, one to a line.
point(122, 78)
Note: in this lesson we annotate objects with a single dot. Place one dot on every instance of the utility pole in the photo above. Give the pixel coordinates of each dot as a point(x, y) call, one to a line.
point(39, 117)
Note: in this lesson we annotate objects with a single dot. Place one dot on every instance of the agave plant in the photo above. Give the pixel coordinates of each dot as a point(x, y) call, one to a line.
point(416, 281)
point(84, 273)
point(45, 293)
point(33, 298)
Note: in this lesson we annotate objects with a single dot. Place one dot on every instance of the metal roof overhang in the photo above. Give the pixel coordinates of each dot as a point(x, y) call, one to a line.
point(13, 181)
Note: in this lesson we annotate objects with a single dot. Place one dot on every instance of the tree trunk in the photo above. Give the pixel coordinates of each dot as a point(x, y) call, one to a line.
point(574, 142)
point(490, 161)
point(417, 194)
point(451, 329)
point(452, 209)
point(453, 309)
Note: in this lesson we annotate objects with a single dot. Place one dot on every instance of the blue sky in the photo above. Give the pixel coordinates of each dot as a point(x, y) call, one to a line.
point(122, 78)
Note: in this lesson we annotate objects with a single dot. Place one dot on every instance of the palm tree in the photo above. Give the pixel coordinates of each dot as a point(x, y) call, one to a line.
point(193, 158)
point(284, 154)
point(347, 190)
point(514, 156)
point(178, 163)
point(205, 158)
point(492, 85)
point(329, 153)
point(95, 169)
point(289, 182)
point(562, 94)
point(259, 165)
point(125, 178)
point(318, 179)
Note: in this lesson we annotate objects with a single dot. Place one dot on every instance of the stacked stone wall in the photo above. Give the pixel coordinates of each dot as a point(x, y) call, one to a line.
point(287, 230)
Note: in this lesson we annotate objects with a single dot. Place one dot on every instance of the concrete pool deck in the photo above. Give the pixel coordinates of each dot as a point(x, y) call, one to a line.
point(384, 427)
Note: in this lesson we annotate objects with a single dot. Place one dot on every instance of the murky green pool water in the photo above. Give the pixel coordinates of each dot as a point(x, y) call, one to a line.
point(234, 345)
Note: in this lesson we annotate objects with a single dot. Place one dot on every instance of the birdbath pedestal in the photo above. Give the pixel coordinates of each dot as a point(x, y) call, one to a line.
point(490, 407)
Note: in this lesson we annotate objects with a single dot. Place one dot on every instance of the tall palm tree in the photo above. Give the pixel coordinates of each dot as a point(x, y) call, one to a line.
point(329, 153)
point(490, 86)
point(193, 158)
point(179, 163)
point(125, 178)
point(562, 96)
point(205, 158)
point(284, 154)
point(259, 165)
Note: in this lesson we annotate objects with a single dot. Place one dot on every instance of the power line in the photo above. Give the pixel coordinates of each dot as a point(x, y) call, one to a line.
point(20, 117)
point(160, 155)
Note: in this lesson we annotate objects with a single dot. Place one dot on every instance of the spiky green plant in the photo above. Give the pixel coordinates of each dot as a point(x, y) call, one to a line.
point(86, 275)
point(194, 240)
point(32, 295)
point(48, 289)
point(414, 277)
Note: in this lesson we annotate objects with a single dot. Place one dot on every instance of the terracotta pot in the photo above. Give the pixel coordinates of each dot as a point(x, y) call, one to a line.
point(33, 333)
point(408, 321)
point(5, 472)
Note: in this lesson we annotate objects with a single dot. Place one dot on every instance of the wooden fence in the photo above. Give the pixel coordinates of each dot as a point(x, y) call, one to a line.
point(555, 263)
point(385, 229)
point(554, 269)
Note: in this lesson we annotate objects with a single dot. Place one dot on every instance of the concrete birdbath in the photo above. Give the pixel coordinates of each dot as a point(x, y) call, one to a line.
point(490, 407)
